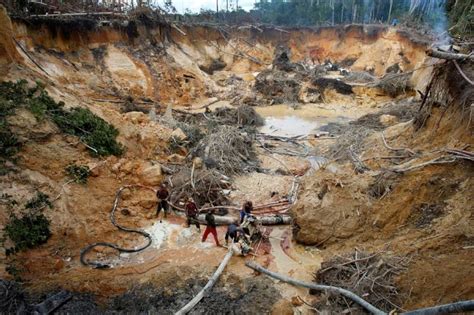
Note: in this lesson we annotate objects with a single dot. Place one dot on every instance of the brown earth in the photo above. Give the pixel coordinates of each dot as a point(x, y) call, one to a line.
point(337, 209)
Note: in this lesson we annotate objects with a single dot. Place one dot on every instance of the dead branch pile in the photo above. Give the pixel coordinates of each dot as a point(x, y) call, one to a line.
point(351, 140)
point(371, 276)
point(394, 84)
point(228, 149)
point(277, 86)
point(334, 84)
point(382, 185)
point(243, 115)
point(204, 186)
point(404, 110)
point(12, 297)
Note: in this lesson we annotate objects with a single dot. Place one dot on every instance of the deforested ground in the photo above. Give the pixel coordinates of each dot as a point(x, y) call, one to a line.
point(352, 132)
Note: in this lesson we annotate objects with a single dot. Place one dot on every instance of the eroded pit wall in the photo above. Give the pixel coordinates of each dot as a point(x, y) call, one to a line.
point(157, 61)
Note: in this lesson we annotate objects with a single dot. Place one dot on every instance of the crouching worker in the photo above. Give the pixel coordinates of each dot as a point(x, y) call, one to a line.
point(211, 227)
point(192, 213)
point(234, 232)
point(240, 244)
point(162, 195)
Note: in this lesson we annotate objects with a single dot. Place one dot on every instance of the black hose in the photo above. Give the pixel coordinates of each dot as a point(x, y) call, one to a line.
point(457, 307)
point(88, 248)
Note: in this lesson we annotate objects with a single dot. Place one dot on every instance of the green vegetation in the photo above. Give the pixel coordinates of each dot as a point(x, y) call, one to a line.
point(431, 13)
point(28, 231)
point(461, 17)
point(93, 130)
point(96, 133)
point(78, 173)
point(40, 201)
point(10, 95)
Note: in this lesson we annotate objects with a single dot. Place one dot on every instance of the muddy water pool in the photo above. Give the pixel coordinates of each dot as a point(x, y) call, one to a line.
point(285, 120)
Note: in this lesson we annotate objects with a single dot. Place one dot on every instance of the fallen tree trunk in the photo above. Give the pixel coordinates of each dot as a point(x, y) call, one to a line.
point(458, 307)
point(188, 307)
point(265, 220)
point(447, 55)
point(369, 307)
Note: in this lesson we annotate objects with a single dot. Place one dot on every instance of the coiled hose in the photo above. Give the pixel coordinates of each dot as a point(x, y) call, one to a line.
point(87, 249)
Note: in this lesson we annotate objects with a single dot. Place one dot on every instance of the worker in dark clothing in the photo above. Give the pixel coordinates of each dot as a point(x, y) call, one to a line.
point(234, 232)
point(162, 194)
point(211, 227)
point(192, 213)
point(247, 209)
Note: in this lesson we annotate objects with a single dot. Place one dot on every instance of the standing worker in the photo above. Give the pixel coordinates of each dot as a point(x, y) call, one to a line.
point(162, 194)
point(247, 209)
point(211, 227)
point(192, 213)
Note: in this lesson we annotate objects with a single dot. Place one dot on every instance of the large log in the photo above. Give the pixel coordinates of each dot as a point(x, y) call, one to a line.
point(265, 220)
point(366, 305)
point(448, 55)
point(188, 307)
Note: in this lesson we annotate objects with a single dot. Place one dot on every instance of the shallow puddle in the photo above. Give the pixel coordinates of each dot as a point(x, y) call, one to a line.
point(284, 120)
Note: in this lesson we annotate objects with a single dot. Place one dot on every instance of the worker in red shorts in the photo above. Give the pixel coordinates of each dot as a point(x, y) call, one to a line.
point(211, 227)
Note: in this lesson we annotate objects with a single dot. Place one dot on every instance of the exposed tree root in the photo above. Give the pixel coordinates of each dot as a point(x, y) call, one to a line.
point(369, 307)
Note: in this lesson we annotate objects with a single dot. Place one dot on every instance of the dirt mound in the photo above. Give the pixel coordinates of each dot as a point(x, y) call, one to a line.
point(8, 52)
point(277, 86)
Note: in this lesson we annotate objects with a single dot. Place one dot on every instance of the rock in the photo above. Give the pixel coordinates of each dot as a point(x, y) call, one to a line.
point(151, 175)
point(25, 126)
point(176, 158)
point(150, 216)
point(126, 194)
point(147, 203)
point(296, 301)
point(58, 264)
point(94, 172)
point(282, 307)
point(179, 134)
point(137, 117)
point(197, 162)
point(388, 120)
point(115, 168)
point(127, 167)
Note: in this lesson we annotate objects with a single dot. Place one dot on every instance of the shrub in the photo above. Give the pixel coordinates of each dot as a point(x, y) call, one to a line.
point(40, 201)
point(78, 173)
point(93, 130)
point(28, 231)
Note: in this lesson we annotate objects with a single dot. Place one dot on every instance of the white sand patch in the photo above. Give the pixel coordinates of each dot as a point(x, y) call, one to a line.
point(160, 232)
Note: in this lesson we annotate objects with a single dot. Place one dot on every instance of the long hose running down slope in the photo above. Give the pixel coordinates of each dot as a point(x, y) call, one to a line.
point(87, 249)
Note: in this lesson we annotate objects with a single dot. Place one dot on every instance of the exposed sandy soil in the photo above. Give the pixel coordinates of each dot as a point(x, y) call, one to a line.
point(97, 69)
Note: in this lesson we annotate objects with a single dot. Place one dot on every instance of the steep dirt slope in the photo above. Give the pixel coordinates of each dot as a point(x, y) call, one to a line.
point(424, 212)
point(99, 68)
